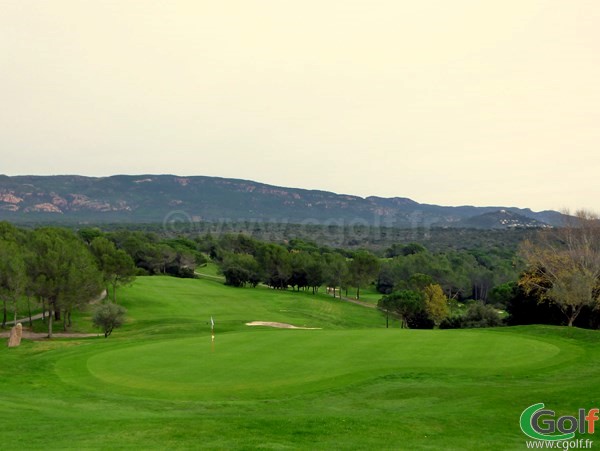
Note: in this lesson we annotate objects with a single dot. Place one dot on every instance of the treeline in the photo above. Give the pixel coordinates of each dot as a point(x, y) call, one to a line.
point(152, 253)
point(300, 264)
point(473, 274)
point(422, 288)
point(358, 236)
point(354, 237)
point(452, 289)
point(55, 269)
point(59, 270)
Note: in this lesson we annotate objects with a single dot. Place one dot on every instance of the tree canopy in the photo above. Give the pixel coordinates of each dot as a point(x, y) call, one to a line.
point(564, 265)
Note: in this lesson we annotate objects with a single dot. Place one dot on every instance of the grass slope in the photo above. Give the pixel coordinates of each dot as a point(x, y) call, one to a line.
point(161, 383)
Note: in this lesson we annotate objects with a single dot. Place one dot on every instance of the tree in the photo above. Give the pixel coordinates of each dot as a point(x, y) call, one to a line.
point(363, 269)
point(418, 282)
point(167, 256)
point(397, 249)
point(13, 276)
point(145, 249)
point(501, 295)
point(109, 316)
point(240, 269)
point(275, 262)
point(81, 284)
point(336, 271)
point(415, 271)
point(407, 303)
point(183, 265)
point(387, 304)
point(65, 274)
point(29, 258)
point(116, 265)
point(564, 265)
point(315, 272)
point(299, 262)
point(525, 308)
point(436, 304)
point(89, 234)
point(481, 315)
point(386, 280)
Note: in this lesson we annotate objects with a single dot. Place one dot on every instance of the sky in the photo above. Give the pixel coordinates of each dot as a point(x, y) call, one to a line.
point(462, 102)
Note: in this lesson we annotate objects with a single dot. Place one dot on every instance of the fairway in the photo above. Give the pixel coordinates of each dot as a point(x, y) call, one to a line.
point(162, 382)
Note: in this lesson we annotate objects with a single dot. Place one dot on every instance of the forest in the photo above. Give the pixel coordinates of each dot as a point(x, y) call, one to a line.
point(60, 269)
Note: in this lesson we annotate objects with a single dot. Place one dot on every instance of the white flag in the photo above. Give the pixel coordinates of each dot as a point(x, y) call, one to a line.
point(212, 323)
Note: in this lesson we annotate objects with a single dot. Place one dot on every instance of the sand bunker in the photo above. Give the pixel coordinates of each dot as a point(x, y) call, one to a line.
point(279, 325)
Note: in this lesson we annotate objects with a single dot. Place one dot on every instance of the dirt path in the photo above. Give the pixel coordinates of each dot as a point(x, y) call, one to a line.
point(26, 320)
point(42, 315)
point(352, 300)
point(208, 276)
point(44, 335)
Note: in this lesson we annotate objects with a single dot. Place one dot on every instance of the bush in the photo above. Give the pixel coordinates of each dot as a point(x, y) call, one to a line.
point(481, 315)
point(109, 316)
point(478, 314)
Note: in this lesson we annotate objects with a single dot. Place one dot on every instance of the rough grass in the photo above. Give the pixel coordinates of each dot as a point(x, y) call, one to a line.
point(160, 382)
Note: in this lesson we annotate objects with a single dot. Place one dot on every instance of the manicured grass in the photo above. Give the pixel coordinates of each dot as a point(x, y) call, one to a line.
point(210, 271)
point(180, 307)
point(367, 294)
point(160, 382)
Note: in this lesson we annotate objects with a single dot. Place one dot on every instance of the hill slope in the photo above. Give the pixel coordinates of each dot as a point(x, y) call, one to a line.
point(162, 382)
point(159, 198)
point(501, 219)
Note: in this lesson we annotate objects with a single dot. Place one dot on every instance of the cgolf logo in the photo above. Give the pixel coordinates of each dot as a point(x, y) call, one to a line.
point(542, 424)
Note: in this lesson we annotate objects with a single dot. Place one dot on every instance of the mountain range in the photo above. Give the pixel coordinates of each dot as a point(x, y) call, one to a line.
point(167, 198)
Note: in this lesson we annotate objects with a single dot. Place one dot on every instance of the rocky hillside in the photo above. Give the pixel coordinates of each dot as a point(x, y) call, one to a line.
point(501, 219)
point(160, 198)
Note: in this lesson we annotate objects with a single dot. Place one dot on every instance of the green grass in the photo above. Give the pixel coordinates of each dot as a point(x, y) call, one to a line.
point(367, 294)
point(209, 271)
point(160, 382)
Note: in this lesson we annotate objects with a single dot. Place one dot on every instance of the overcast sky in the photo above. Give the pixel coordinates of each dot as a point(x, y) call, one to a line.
point(482, 102)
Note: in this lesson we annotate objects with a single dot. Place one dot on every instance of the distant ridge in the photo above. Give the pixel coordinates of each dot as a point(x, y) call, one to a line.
point(501, 219)
point(160, 198)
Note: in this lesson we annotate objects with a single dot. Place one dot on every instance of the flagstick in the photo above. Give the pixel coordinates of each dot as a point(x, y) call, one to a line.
point(212, 334)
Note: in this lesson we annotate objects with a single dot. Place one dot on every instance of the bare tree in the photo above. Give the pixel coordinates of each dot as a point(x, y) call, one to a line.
point(564, 264)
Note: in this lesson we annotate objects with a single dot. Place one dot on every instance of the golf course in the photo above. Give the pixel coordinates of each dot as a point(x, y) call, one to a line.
point(340, 380)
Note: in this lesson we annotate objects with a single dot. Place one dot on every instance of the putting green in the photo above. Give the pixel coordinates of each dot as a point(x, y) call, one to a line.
point(267, 363)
